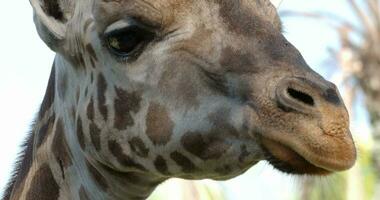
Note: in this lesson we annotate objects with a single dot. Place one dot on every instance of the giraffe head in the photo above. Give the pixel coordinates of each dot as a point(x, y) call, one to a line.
point(192, 89)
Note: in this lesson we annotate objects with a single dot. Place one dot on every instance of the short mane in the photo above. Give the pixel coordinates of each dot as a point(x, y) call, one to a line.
point(25, 157)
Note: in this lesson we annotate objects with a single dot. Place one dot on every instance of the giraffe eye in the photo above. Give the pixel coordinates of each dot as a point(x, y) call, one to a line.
point(128, 41)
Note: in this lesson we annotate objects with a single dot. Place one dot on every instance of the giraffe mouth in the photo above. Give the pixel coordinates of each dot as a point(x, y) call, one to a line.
point(287, 160)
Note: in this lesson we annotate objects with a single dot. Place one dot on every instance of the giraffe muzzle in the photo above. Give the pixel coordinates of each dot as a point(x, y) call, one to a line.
point(312, 133)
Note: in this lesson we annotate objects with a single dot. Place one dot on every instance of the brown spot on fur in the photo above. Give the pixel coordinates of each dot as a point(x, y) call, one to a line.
point(92, 77)
point(222, 127)
point(80, 133)
point(243, 153)
point(223, 170)
point(204, 146)
point(91, 51)
point(280, 50)
point(45, 130)
point(133, 177)
point(123, 159)
point(60, 147)
point(239, 19)
point(49, 95)
point(95, 136)
point(181, 77)
point(83, 194)
point(138, 146)
point(161, 165)
point(125, 103)
point(238, 62)
point(102, 87)
point(97, 176)
point(185, 163)
point(62, 86)
point(90, 110)
point(43, 185)
point(159, 124)
point(217, 82)
point(246, 19)
point(93, 65)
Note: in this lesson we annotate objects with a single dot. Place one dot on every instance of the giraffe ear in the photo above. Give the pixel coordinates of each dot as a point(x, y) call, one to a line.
point(276, 3)
point(50, 17)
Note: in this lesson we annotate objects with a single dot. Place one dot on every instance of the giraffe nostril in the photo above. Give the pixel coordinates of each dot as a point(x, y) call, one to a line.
point(301, 96)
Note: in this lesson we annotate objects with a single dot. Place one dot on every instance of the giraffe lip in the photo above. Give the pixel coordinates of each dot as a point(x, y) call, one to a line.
point(287, 160)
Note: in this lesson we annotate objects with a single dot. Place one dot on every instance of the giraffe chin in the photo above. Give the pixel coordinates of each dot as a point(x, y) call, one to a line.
point(287, 160)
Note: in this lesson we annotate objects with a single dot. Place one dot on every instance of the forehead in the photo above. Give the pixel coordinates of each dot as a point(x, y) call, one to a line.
point(165, 12)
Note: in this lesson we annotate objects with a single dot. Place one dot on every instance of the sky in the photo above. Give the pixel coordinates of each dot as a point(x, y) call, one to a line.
point(25, 64)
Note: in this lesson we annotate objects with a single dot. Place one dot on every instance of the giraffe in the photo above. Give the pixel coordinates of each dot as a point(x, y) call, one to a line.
point(144, 90)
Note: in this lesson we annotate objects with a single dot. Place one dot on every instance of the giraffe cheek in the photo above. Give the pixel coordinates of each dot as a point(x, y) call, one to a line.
point(187, 166)
point(121, 159)
point(159, 125)
point(95, 136)
point(205, 147)
point(102, 88)
point(138, 146)
point(125, 104)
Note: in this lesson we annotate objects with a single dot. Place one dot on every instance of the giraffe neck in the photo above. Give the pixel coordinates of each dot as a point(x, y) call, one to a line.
point(54, 166)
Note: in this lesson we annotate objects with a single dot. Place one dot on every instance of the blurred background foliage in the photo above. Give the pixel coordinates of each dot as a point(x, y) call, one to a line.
point(358, 60)
point(354, 65)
